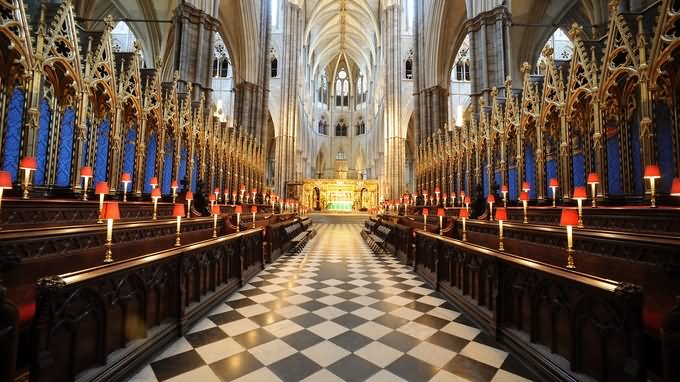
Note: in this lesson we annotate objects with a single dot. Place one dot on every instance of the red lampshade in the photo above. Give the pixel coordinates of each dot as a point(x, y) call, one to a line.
point(464, 213)
point(86, 171)
point(462, 193)
point(675, 188)
point(441, 212)
point(28, 163)
point(554, 182)
point(525, 186)
point(504, 188)
point(5, 180)
point(253, 209)
point(126, 177)
point(156, 193)
point(652, 172)
point(253, 191)
point(593, 178)
point(238, 209)
point(211, 197)
point(153, 181)
point(189, 196)
point(466, 200)
point(580, 193)
point(101, 188)
point(178, 210)
point(491, 199)
point(426, 211)
point(436, 189)
point(216, 210)
point(501, 214)
point(243, 188)
point(173, 184)
point(524, 196)
point(569, 217)
point(424, 192)
point(217, 190)
point(111, 211)
point(453, 195)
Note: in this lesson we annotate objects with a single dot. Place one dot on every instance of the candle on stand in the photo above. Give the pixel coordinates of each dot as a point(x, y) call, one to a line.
point(216, 191)
point(155, 195)
point(238, 210)
point(652, 172)
point(464, 214)
point(253, 209)
point(554, 184)
point(153, 182)
point(501, 215)
point(491, 199)
point(211, 199)
point(86, 174)
point(110, 212)
point(524, 198)
point(126, 179)
point(504, 191)
point(215, 209)
point(441, 213)
point(467, 203)
point(189, 197)
point(425, 213)
point(101, 189)
point(174, 186)
point(178, 212)
point(593, 180)
point(5, 183)
point(569, 218)
point(453, 199)
point(27, 164)
point(580, 196)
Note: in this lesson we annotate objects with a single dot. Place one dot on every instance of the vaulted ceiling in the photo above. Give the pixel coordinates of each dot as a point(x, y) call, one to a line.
point(348, 28)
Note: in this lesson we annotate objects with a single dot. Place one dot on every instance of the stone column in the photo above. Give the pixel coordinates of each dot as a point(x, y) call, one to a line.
point(293, 29)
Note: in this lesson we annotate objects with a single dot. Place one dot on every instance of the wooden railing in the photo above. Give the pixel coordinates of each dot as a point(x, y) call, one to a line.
point(566, 324)
point(101, 323)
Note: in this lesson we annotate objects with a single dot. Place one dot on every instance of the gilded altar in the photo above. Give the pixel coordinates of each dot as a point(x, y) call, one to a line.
point(340, 194)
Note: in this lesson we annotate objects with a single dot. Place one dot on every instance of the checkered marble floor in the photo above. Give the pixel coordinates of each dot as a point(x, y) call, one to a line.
point(335, 312)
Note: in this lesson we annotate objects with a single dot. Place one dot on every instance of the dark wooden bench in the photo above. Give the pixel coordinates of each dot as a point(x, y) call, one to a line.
point(164, 294)
point(297, 236)
point(568, 325)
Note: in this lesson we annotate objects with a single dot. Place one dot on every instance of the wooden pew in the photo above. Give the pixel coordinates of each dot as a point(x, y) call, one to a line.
point(566, 324)
point(18, 213)
point(102, 323)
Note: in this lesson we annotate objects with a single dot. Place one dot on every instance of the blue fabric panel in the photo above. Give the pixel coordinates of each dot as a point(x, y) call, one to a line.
point(167, 165)
point(613, 165)
point(578, 163)
point(551, 172)
point(498, 180)
point(12, 144)
point(150, 168)
point(65, 154)
point(512, 184)
point(664, 142)
point(102, 154)
point(129, 152)
point(182, 165)
point(636, 156)
point(86, 145)
point(529, 166)
point(43, 137)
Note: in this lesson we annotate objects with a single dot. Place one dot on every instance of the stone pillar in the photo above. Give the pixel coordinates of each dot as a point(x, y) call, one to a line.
point(395, 141)
point(293, 29)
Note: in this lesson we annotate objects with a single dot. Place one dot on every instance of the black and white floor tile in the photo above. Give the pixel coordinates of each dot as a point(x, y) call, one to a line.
point(335, 312)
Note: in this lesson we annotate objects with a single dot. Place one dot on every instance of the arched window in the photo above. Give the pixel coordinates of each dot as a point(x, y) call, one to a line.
point(215, 67)
point(408, 69)
point(340, 155)
point(460, 71)
point(340, 130)
point(274, 67)
point(224, 68)
point(467, 70)
point(562, 48)
point(342, 89)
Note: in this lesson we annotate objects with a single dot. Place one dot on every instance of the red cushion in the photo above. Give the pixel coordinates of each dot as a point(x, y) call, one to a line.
point(653, 319)
point(26, 313)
